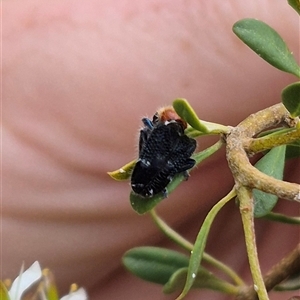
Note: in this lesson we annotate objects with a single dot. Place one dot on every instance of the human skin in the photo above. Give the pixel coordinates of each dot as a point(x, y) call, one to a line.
point(77, 78)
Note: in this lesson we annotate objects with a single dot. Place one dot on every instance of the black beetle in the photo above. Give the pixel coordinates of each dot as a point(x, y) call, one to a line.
point(164, 151)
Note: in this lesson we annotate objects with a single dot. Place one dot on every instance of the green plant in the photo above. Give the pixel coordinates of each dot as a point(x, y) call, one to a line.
point(275, 132)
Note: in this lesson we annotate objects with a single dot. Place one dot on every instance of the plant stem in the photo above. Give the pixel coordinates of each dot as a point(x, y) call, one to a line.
point(181, 241)
point(270, 141)
point(244, 173)
point(170, 232)
point(282, 218)
point(246, 210)
point(286, 267)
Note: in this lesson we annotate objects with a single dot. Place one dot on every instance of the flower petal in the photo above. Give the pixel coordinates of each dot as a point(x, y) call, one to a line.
point(80, 294)
point(25, 280)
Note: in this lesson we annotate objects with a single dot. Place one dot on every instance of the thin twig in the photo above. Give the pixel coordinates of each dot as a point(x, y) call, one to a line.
point(246, 209)
point(286, 267)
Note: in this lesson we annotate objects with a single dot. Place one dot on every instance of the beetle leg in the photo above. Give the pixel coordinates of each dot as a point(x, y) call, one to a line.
point(165, 193)
point(189, 163)
point(186, 175)
point(148, 123)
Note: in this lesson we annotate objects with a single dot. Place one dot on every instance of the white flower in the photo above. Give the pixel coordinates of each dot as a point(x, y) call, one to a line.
point(24, 281)
point(34, 274)
point(80, 294)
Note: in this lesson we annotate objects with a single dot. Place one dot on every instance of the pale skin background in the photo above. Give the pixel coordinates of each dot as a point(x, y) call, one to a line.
point(77, 78)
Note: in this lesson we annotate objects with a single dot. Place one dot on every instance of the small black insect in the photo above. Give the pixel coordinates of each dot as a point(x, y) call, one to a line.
point(164, 151)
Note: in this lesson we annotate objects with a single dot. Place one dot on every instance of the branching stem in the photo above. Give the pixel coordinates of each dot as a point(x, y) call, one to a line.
point(244, 173)
point(239, 143)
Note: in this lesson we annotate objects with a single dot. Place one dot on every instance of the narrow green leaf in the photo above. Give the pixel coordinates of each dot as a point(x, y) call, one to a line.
point(197, 253)
point(123, 173)
point(291, 284)
point(276, 217)
point(3, 292)
point(203, 280)
point(267, 43)
point(295, 4)
point(187, 113)
point(271, 164)
point(143, 205)
point(291, 98)
point(154, 264)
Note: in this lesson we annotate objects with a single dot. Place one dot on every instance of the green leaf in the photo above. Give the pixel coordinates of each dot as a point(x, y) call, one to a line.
point(291, 98)
point(276, 217)
point(198, 250)
point(290, 284)
point(203, 280)
point(3, 292)
point(154, 264)
point(271, 164)
point(142, 205)
point(187, 113)
point(264, 203)
point(124, 172)
point(267, 43)
point(295, 4)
